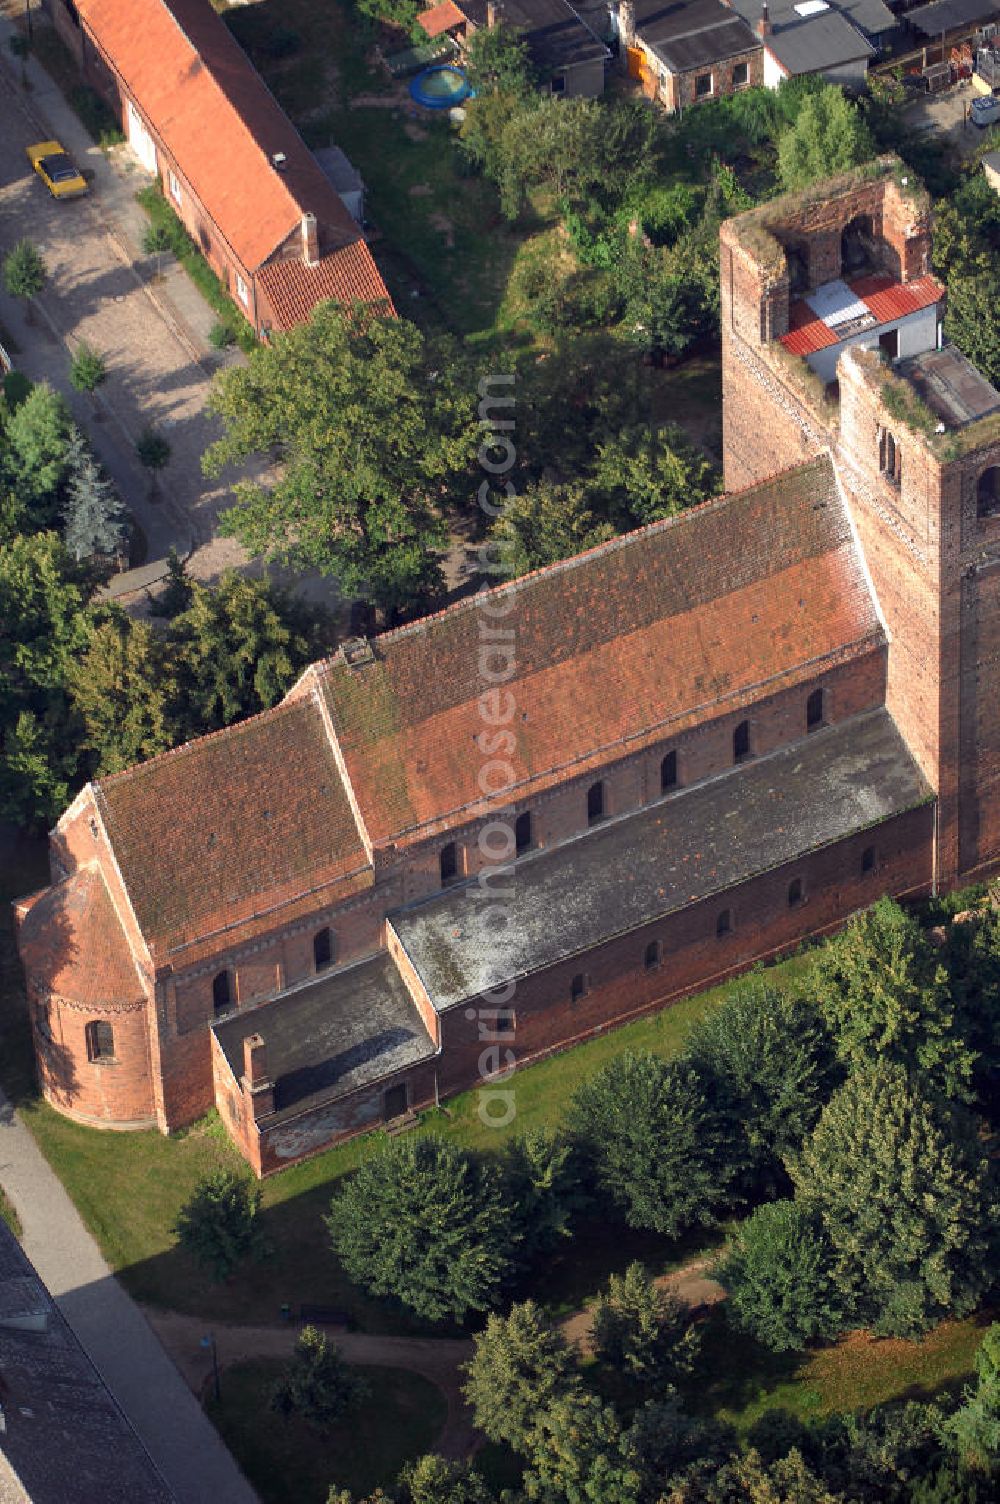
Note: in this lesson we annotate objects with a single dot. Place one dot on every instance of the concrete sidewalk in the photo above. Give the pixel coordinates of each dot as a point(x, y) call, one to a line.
point(112, 1330)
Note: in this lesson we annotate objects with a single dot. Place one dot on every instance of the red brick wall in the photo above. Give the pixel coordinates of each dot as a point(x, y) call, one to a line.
point(106, 1093)
point(693, 956)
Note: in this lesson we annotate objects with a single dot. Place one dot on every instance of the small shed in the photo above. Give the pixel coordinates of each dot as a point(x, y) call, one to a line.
point(346, 179)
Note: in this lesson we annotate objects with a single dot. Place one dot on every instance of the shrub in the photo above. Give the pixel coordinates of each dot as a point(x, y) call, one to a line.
point(16, 389)
point(221, 335)
point(88, 368)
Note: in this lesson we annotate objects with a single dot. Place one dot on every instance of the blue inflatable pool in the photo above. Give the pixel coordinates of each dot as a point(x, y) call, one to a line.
point(439, 88)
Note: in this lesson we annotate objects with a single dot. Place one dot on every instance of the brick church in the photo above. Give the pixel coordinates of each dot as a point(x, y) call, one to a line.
point(722, 733)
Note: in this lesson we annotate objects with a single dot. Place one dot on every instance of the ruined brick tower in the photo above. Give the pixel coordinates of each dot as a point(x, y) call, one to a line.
point(833, 340)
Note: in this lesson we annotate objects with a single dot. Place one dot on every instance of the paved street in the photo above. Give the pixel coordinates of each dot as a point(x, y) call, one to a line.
point(171, 1424)
point(153, 333)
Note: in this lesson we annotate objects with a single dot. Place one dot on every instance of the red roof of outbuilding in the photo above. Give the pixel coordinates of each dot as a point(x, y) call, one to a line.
point(886, 300)
point(441, 18)
point(199, 92)
point(348, 276)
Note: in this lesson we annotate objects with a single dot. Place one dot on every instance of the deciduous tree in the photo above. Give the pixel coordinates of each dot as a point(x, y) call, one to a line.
point(777, 1272)
point(426, 1224)
point(218, 1225)
point(372, 426)
point(658, 1146)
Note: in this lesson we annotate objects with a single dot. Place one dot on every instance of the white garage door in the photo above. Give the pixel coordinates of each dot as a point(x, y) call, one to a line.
point(140, 140)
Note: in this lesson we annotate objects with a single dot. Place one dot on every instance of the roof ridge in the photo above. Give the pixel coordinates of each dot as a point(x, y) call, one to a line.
point(272, 711)
point(609, 545)
point(220, 89)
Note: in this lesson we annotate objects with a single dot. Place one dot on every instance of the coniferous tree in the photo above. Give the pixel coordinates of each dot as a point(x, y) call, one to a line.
point(93, 516)
point(643, 1331)
point(520, 1365)
point(317, 1385)
point(121, 690)
point(975, 1426)
point(903, 1192)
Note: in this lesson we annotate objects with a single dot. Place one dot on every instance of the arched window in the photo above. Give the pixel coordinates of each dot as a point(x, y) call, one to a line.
point(868, 859)
point(100, 1040)
point(654, 953)
point(794, 892)
point(888, 457)
point(668, 772)
point(988, 493)
point(741, 742)
point(856, 245)
point(522, 833)
point(222, 991)
point(323, 948)
point(578, 987)
point(595, 803)
point(814, 710)
point(449, 863)
point(724, 924)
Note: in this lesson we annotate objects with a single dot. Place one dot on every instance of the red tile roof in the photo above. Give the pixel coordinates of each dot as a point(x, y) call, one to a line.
point(635, 640)
point(199, 92)
point(885, 298)
point(348, 276)
point(234, 832)
point(73, 945)
point(441, 18)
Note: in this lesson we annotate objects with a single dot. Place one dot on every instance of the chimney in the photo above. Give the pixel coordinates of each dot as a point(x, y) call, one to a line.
point(310, 240)
point(763, 27)
point(626, 26)
point(257, 1084)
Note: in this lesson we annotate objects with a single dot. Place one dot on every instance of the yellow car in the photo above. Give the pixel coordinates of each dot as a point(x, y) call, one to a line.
point(56, 170)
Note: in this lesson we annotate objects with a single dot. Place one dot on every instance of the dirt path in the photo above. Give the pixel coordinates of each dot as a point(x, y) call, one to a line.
point(692, 1284)
point(435, 1358)
point(438, 1359)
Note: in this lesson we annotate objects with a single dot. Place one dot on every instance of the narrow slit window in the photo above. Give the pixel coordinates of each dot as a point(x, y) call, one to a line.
point(449, 863)
point(522, 833)
point(323, 948)
point(794, 892)
point(668, 772)
point(578, 987)
point(222, 991)
point(724, 923)
point(653, 955)
point(868, 859)
point(814, 710)
point(595, 803)
point(741, 742)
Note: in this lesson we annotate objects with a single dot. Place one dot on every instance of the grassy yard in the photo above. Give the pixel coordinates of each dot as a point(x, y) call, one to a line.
point(286, 1459)
point(740, 1381)
point(129, 1187)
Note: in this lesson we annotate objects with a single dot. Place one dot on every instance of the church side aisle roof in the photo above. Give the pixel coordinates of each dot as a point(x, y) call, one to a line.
point(686, 847)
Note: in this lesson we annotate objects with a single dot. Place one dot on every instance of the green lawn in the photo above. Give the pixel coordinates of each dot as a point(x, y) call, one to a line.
point(739, 1381)
point(290, 1463)
point(129, 1187)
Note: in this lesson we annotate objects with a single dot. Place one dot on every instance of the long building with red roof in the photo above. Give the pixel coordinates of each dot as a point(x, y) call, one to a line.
point(478, 838)
point(231, 163)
